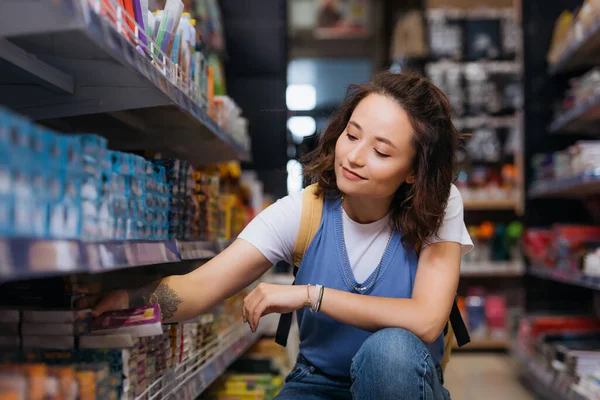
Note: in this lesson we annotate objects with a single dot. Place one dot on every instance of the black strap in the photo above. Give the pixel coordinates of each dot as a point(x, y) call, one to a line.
point(285, 323)
point(458, 324)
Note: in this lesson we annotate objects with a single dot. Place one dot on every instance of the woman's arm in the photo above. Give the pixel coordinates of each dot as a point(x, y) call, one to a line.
point(183, 297)
point(425, 314)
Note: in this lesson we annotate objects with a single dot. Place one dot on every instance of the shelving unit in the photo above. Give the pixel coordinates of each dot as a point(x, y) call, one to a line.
point(582, 118)
point(199, 371)
point(579, 186)
point(492, 269)
point(118, 91)
point(72, 68)
point(31, 258)
point(570, 277)
point(491, 204)
point(552, 289)
point(543, 383)
point(581, 53)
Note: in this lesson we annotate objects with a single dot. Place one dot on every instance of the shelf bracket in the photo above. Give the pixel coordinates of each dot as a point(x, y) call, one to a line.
point(35, 69)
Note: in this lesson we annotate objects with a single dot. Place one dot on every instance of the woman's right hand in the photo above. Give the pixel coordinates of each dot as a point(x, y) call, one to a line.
point(101, 303)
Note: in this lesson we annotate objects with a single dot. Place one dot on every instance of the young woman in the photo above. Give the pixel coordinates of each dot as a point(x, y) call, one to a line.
point(385, 165)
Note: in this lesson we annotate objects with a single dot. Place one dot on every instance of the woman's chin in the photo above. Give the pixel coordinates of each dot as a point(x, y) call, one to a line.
point(351, 188)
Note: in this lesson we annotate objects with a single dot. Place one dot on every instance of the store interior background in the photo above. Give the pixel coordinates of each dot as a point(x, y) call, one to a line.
point(522, 80)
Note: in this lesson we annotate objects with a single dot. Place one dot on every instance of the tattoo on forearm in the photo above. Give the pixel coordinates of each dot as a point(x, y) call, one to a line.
point(168, 300)
point(157, 293)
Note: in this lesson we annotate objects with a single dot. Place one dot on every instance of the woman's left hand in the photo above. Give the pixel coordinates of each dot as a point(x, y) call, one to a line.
point(268, 298)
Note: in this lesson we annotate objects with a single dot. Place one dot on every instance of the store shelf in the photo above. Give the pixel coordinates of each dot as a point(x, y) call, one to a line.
point(579, 186)
point(191, 378)
point(581, 53)
point(490, 67)
point(582, 118)
point(119, 92)
point(571, 278)
point(306, 44)
point(490, 269)
point(22, 258)
point(490, 204)
point(544, 384)
point(509, 121)
point(484, 344)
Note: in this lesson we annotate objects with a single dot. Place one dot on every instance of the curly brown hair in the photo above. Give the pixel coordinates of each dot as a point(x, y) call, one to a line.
point(417, 210)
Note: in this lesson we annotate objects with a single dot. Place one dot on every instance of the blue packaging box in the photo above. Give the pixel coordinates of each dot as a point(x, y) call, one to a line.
point(66, 214)
point(6, 215)
point(73, 154)
point(30, 217)
point(121, 163)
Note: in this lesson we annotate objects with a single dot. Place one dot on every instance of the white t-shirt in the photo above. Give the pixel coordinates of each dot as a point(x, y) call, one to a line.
point(273, 232)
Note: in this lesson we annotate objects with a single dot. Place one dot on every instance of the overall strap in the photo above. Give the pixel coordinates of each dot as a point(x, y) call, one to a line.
point(312, 210)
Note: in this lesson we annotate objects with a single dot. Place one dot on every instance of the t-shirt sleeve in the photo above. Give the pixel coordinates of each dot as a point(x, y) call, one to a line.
point(273, 231)
point(453, 228)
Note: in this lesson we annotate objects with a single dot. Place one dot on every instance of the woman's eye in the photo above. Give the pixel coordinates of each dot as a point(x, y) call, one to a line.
point(380, 154)
point(352, 138)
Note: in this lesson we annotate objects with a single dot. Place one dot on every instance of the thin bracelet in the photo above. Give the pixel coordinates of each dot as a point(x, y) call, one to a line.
point(318, 294)
point(321, 299)
point(308, 295)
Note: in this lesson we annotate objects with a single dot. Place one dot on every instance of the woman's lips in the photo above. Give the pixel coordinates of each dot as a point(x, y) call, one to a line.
point(351, 175)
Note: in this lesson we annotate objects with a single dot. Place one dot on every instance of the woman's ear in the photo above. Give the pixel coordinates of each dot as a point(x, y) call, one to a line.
point(411, 178)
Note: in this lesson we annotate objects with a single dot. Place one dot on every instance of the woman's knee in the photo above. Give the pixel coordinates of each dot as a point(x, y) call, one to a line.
point(392, 363)
point(392, 348)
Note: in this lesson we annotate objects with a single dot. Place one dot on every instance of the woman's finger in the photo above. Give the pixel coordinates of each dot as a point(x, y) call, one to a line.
point(257, 313)
point(111, 302)
point(249, 301)
point(86, 301)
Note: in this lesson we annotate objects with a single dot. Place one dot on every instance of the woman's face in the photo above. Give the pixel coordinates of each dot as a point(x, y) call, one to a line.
point(374, 154)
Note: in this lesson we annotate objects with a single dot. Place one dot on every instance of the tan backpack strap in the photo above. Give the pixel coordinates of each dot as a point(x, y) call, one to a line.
point(312, 210)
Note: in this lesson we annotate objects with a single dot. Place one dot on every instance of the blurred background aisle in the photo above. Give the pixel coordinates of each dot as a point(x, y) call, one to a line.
point(139, 137)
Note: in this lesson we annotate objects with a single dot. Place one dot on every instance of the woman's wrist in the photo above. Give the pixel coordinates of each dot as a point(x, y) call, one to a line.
point(314, 295)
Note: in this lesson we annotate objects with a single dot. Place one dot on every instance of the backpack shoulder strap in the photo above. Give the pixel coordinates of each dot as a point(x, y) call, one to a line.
point(312, 210)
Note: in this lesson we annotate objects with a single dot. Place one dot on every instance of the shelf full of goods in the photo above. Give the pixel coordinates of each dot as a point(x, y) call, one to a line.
point(573, 172)
point(483, 84)
point(565, 253)
point(576, 39)
point(125, 354)
point(579, 111)
point(496, 252)
point(69, 204)
point(487, 316)
point(156, 75)
point(560, 355)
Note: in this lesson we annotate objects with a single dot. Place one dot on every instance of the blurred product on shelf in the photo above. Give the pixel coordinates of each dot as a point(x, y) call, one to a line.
point(479, 87)
point(128, 356)
point(210, 24)
point(483, 182)
point(582, 157)
point(485, 314)
point(495, 242)
point(581, 90)
point(182, 48)
point(563, 351)
point(492, 34)
point(234, 386)
point(571, 31)
point(568, 249)
point(72, 187)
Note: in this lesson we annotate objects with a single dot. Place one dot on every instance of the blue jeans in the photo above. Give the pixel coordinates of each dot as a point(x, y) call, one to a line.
point(391, 364)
